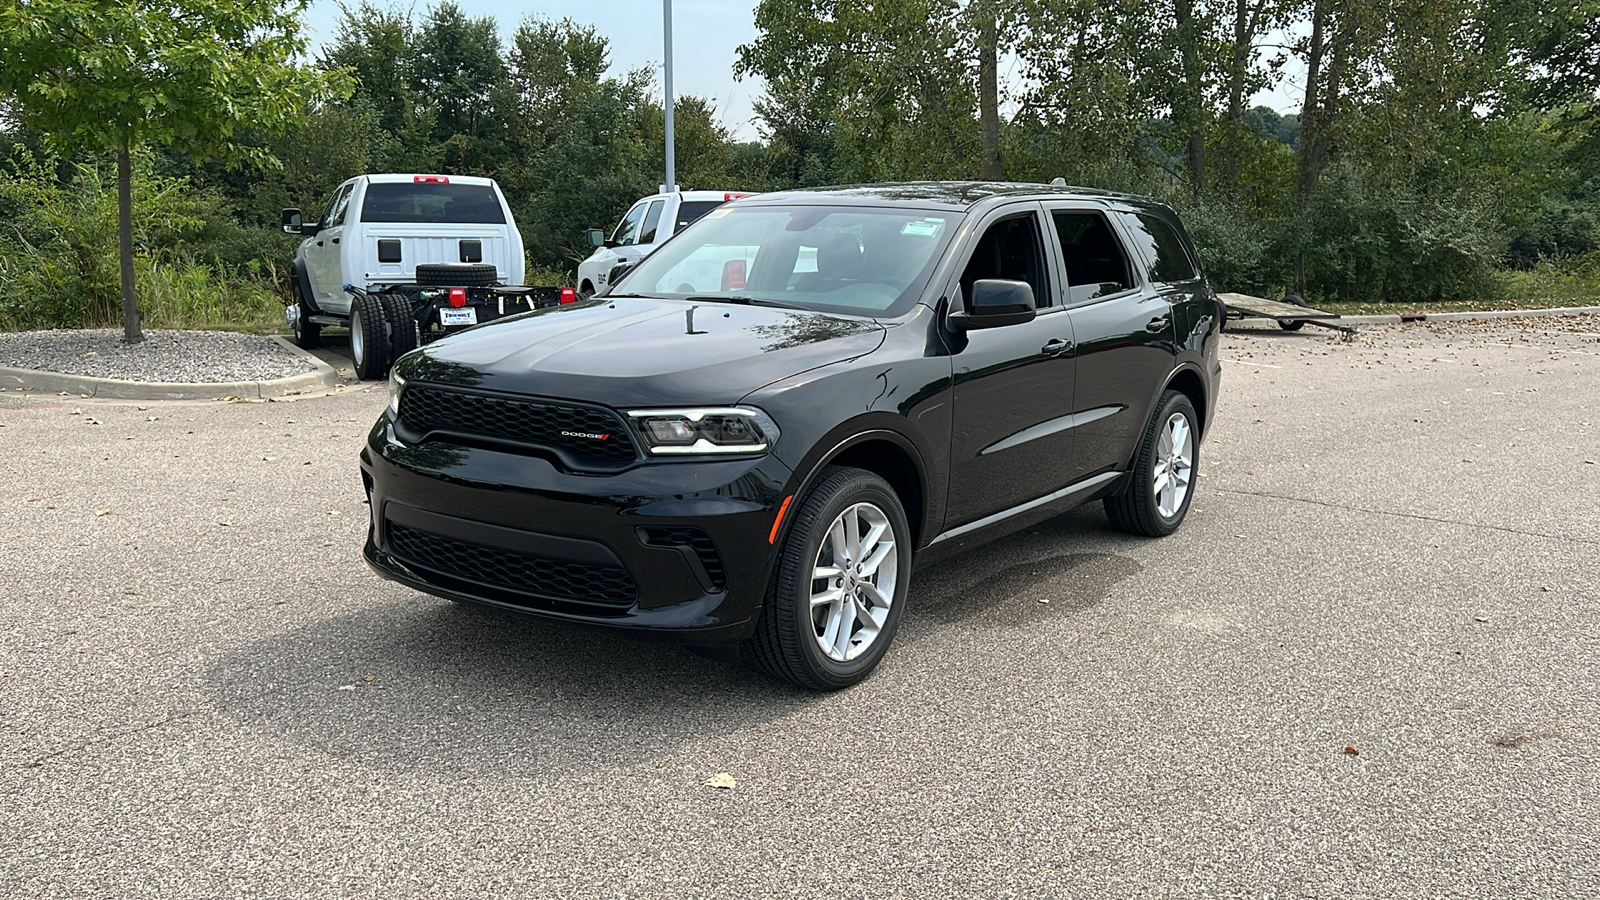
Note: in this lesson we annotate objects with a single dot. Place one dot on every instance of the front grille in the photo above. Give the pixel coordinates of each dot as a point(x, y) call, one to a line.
point(427, 408)
point(519, 572)
point(694, 539)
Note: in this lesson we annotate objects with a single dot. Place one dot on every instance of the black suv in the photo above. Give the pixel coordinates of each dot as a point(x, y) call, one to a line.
point(752, 439)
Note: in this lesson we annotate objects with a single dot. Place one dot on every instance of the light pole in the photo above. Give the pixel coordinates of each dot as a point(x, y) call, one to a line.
point(666, 30)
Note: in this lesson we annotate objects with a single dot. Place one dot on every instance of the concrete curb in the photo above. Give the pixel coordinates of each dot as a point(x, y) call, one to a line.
point(322, 377)
point(1443, 317)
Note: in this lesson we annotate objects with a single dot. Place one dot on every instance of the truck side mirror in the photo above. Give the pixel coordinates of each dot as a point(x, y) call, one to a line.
point(595, 237)
point(292, 221)
point(996, 302)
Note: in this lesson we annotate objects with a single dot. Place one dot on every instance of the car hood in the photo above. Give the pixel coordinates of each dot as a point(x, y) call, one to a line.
point(632, 352)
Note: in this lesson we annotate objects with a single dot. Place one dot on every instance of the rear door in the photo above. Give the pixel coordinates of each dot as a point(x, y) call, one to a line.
point(1124, 329)
point(322, 254)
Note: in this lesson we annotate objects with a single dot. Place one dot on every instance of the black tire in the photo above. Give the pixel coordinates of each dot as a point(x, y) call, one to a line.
point(369, 337)
point(786, 643)
point(585, 290)
point(457, 275)
point(307, 334)
point(402, 318)
point(1292, 324)
point(1136, 509)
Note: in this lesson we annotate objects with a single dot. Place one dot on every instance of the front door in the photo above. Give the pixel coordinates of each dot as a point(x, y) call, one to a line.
point(1011, 437)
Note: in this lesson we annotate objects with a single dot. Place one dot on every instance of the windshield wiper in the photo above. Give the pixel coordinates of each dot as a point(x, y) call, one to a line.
point(744, 301)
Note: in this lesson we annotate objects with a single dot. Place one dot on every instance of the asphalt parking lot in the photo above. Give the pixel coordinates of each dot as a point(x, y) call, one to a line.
point(1367, 666)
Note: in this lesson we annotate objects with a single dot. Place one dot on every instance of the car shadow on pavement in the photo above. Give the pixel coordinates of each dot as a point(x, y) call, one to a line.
point(419, 682)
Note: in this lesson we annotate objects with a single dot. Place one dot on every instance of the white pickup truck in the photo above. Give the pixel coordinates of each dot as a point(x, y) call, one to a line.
point(404, 259)
point(648, 222)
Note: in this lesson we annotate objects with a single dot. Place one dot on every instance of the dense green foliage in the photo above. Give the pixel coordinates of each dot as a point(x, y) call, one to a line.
point(98, 77)
point(1440, 149)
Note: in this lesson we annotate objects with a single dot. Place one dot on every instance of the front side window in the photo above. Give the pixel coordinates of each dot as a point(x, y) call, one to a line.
point(652, 219)
point(432, 202)
point(1010, 249)
point(1097, 265)
point(341, 193)
point(627, 232)
point(864, 261)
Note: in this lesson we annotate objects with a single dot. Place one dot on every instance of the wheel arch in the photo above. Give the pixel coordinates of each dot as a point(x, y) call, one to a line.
point(1187, 381)
point(887, 454)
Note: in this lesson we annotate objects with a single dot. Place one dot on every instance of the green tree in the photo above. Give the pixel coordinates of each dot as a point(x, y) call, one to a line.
point(115, 76)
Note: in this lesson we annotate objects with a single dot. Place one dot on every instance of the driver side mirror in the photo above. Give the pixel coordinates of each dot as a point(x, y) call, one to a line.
point(996, 302)
point(595, 237)
point(292, 221)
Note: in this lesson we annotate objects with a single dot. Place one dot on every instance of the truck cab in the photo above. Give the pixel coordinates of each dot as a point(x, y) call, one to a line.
point(647, 223)
point(376, 229)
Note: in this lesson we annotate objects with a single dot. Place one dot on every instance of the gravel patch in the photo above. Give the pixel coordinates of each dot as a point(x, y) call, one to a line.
point(188, 357)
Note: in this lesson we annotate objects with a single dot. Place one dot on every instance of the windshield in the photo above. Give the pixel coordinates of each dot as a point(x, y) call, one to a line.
point(870, 262)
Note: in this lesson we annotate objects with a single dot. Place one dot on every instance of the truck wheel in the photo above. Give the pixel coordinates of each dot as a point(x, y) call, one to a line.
point(457, 275)
point(307, 334)
point(369, 338)
point(402, 319)
point(1162, 481)
point(585, 290)
point(839, 586)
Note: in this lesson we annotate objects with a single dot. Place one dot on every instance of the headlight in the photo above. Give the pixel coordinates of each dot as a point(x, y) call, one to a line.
point(678, 432)
point(395, 384)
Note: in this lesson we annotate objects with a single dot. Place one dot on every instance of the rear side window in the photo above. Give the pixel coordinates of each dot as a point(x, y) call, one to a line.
point(1097, 266)
point(689, 210)
point(652, 219)
point(452, 204)
point(1171, 259)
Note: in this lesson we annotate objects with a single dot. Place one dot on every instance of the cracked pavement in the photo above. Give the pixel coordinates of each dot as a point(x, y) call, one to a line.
point(1366, 666)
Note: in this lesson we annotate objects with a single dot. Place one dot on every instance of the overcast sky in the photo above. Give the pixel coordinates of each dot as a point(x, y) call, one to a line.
point(704, 35)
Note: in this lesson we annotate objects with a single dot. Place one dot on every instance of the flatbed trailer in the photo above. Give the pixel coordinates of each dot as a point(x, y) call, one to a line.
point(1289, 315)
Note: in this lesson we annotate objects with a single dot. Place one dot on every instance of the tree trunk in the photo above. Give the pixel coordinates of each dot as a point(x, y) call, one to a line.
point(130, 305)
point(989, 92)
point(1189, 110)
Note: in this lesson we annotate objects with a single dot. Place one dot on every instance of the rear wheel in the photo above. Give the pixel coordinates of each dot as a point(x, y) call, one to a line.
point(839, 586)
point(402, 319)
point(1161, 484)
point(585, 290)
point(369, 339)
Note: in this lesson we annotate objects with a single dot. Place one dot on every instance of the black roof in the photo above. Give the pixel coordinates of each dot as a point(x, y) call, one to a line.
point(941, 194)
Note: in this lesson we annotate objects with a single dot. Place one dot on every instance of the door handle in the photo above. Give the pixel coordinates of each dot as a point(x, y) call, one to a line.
point(336, 240)
point(1055, 347)
point(1159, 323)
point(319, 243)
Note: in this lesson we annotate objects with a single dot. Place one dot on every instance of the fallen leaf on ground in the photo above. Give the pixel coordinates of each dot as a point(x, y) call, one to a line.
point(1352, 751)
point(331, 512)
point(102, 512)
point(721, 780)
point(369, 678)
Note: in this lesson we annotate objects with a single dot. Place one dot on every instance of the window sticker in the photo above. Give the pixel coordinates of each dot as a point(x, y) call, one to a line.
point(923, 227)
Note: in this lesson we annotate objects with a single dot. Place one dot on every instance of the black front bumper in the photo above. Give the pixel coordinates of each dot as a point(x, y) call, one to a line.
point(673, 548)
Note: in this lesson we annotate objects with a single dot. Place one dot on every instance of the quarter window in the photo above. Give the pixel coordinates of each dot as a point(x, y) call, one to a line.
point(1171, 259)
point(1097, 266)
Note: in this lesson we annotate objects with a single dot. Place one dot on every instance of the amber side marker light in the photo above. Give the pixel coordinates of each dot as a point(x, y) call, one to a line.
point(783, 508)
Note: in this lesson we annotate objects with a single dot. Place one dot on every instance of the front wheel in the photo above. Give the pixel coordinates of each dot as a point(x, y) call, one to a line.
point(1161, 484)
point(839, 585)
point(369, 339)
point(307, 334)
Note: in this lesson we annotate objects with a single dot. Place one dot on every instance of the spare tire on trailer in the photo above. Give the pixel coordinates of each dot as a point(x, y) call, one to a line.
point(457, 275)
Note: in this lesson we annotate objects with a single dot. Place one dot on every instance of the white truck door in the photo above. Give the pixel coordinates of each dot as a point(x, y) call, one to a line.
point(322, 255)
